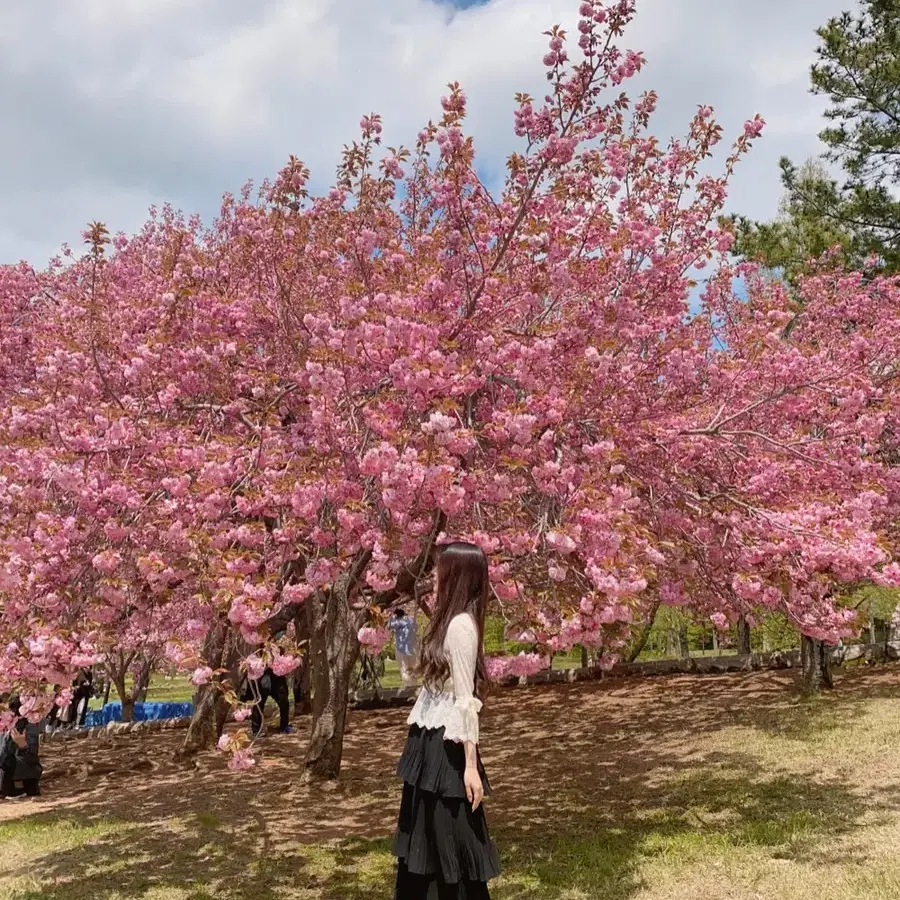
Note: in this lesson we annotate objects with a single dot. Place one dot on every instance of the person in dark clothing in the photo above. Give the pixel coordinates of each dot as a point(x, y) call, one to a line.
point(81, 699)
point(53, 715)
point(20, 765)
point(276, 687)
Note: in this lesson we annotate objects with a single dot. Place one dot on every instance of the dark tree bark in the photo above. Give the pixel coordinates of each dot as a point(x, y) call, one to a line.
point(221, 651)
point(638, 647)
point(333, 651)
point(117, 672)
point(302, 693)
point(142, 682)
point(744, 646)
point(409, 579)
point(302, 696)
point(815, 659)
point(684, 646)
point(128, 708)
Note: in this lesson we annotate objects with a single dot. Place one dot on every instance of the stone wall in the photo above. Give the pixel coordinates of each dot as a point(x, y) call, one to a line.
point(701, 665)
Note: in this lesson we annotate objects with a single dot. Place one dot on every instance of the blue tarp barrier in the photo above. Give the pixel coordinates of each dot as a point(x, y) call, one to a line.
point(143, 712)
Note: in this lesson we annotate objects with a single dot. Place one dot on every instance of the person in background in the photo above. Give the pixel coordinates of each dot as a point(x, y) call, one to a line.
point(282, 696)
point(404, 629)
point(53, 717)
point(20, 764)
point(81, 698)
point(258, 692)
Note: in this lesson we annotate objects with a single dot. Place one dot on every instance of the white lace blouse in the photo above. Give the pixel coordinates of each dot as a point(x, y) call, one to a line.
point(455, 708)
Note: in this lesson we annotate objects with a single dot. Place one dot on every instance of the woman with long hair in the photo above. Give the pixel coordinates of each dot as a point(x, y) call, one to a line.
point(442, 844)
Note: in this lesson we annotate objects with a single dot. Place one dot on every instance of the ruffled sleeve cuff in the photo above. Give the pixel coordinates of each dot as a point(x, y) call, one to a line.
point(463, 723)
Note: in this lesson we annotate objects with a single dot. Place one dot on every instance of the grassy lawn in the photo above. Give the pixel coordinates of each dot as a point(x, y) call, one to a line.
point(178, 688)
point(713, 788)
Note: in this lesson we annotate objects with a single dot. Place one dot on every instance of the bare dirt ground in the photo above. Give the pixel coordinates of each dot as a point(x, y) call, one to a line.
point(628, 761)
point(569, 736)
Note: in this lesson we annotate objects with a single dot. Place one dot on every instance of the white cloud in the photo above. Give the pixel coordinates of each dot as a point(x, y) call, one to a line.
point(110, 106)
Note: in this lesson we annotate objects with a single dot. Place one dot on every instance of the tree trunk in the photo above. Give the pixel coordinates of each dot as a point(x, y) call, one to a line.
point(142, 682)
point(334, 648)
point(585, 658)
point(894, 626)
point(744, 646)
point(684, 646)
point(638, 646)
point(221, 651)
point(816, 668)
point(302, 693)
point(128, 708)
point(126, 699)
point(302, 698)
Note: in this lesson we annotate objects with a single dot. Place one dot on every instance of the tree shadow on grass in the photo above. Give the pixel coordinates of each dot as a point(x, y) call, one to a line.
point(200, 861)
point(724, 806)
point(592, 782)
point(813, 717)
point(714, 811)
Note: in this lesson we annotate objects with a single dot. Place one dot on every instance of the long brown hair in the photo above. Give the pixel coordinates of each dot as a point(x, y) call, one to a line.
point(461, 587)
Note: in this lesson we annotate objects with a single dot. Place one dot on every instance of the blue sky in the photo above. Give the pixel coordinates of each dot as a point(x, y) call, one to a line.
point(111, 107)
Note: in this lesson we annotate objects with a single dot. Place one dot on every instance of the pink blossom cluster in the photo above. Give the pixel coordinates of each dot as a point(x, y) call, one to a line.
point(374, 640)
point(520, 666)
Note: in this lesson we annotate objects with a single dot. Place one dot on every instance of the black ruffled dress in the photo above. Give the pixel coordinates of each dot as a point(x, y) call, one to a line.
point(443, 848)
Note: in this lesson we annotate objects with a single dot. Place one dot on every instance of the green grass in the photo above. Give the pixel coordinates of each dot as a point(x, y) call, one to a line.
point(163, 689)
point(666, 789)
point(174, 689)
point(178, 688)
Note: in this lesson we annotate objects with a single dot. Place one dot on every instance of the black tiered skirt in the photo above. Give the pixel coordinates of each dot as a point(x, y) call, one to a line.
point(443, 849)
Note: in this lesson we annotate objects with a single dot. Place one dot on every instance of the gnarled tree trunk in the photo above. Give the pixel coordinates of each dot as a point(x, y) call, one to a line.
point(221, 651)
point(333, 650)
point(815, 658)
point(744, 646)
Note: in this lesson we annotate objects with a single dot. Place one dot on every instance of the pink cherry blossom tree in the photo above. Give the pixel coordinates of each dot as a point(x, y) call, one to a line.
point(284, 413)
